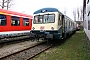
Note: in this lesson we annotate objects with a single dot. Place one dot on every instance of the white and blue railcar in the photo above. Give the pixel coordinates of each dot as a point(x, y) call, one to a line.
point(50, 23)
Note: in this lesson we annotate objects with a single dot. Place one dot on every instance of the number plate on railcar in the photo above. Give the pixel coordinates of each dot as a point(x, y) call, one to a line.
point(42, 28)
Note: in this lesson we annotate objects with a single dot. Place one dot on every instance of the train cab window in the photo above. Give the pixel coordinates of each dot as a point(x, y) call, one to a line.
point(15, 21)
point(25, 21)
point(49, 18)
point(2, 20)
point(38, 19)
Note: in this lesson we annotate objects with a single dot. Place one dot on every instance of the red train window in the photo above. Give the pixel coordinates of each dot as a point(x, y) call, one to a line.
point(2, 20)
point(25, 21)
point(15, 21)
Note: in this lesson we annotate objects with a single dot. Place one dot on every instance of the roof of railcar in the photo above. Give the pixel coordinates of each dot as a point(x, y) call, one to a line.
point(49, 9)
point(7, 12)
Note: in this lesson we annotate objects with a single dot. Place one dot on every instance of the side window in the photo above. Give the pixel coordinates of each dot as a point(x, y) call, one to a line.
point(66, 22)
point(60, 20)
point(15, 21)
point(69, 22)
point(2, 20)
point(26, 21)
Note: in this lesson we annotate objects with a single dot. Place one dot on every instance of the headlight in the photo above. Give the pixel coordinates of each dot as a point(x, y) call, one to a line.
point(33, 28)
point(52, 28)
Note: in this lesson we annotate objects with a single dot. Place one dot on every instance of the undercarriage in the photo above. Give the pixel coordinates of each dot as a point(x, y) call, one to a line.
point(37, 37)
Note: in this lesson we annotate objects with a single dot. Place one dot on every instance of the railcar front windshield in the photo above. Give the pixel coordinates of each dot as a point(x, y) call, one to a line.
point(42, 19)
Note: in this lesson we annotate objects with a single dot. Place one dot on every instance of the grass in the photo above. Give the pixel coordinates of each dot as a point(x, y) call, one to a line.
point(74, 48)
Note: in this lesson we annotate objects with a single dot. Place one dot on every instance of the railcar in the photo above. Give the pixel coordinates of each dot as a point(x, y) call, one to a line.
point(86, 18)
point(50, 23)
point(78, 27)
point(14, 23)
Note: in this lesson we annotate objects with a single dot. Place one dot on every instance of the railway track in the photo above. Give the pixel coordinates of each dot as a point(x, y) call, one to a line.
point(13, 38)
point(28, 53)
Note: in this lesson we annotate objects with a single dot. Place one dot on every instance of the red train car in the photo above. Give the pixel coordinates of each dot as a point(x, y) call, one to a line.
point(14, 23)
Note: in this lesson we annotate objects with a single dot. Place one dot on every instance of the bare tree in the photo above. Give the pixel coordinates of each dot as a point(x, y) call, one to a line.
point(2, 4)
point(74, 14)
point(6, 4)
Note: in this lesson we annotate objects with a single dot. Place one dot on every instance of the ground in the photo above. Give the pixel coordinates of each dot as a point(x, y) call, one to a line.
point(74, 48)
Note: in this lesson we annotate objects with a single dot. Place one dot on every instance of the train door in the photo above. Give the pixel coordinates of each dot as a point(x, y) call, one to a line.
point(63, 26)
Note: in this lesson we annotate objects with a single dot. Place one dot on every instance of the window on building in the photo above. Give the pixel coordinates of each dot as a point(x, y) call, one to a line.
point(88, 22)
point(2, 20)
point(25, 21)
point(87, 1)
point(15, 21)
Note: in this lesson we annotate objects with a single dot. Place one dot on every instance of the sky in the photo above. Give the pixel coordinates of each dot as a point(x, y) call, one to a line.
point(29, 6)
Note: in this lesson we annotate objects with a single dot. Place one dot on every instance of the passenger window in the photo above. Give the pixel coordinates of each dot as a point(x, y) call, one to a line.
point(2, 20)
point(15, 21)
point(25, 21)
